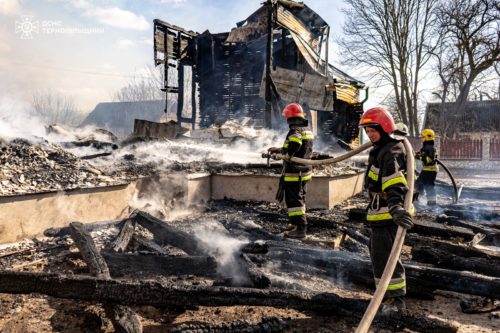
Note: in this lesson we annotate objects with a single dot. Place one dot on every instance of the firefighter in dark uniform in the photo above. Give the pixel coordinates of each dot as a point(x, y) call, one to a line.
point(387, 187)
point(427, 178)
point(298, 143)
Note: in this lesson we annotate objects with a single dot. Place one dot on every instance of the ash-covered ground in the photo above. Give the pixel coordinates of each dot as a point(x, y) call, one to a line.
point(215, 225)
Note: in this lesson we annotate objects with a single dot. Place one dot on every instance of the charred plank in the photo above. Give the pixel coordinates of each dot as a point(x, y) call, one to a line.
point(125, 264)
point(358, 270)
point(462, 250)
point(123, 319)
point(165, 234)
point(161, 295)
point(426, 228)
point(121, 241)
point(444, 259)
point(474, 226)
point(142, 243)
point(259, 279)
point(95, 262)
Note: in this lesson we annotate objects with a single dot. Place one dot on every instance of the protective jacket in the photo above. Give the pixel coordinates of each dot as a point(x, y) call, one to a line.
point(298, 143)
point(428, 155)
point(385, 181)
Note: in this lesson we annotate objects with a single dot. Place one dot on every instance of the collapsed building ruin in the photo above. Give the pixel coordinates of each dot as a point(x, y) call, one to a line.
point(279, 54)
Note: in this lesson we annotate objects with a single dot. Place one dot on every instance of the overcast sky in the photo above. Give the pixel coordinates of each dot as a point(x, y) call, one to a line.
point(88, 49)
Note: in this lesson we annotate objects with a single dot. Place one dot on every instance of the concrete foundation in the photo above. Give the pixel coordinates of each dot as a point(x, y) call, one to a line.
point(322, 192)
point(29, 215)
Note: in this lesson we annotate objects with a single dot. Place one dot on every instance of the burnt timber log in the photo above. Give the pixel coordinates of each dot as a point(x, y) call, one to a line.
point(125, 264)
point(472, 215)
point(124, 320)
point(426, 228)
point(258, 279)
point(121, 241)
point(474, 226)
point(141, 243)
point(176, 296)
point(358, 270)
point(457, 249)
point(88, 250)
point(165, 234)
point(444, 259)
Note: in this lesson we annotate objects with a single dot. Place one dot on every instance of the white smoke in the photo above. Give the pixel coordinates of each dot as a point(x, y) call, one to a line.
point(215, 239)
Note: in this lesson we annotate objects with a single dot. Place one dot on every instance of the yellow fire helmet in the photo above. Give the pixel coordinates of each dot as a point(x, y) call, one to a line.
point(428, 134)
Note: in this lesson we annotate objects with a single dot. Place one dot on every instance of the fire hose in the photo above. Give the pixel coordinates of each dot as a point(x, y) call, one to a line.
point(372, 309)
point(457, 192)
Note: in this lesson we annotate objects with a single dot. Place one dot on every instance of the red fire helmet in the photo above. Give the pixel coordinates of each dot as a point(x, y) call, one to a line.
point(378, 116)
point(294, 110)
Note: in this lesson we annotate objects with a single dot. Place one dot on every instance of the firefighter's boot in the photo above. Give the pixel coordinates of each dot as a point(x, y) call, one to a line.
point(299, 232)
point(393, 305)
point(290, 227)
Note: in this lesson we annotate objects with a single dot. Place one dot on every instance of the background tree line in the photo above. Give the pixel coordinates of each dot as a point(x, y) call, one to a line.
point(400, 43)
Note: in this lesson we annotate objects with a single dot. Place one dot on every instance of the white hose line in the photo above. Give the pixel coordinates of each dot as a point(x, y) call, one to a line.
point(372, 309)
point(351, 153)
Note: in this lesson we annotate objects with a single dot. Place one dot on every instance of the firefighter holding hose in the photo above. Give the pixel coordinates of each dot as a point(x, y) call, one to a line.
point(387, 187)
point(293, 183)
point(427, 178)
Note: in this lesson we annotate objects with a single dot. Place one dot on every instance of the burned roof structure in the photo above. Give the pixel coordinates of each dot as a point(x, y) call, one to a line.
point(279, 54)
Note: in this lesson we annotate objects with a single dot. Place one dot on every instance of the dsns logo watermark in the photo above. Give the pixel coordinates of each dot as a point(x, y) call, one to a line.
point(26, 27)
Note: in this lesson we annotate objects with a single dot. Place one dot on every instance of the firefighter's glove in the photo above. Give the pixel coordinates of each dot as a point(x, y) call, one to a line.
point(402, 218)
point(274, 150)
point(320, 156)
point(418, 155)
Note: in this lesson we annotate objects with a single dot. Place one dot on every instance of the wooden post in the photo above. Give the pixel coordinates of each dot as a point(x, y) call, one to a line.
point(269, 63)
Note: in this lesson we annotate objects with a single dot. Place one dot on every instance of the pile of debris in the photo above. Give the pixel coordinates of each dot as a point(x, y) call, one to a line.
point(31, 168)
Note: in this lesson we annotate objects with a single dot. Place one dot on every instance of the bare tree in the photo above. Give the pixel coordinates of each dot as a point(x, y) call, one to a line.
point(470, 29)
point(143, 88)
point(386, 38)
point(52, 108)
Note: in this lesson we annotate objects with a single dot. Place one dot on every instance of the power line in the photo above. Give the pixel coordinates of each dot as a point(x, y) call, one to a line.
point(80, 71)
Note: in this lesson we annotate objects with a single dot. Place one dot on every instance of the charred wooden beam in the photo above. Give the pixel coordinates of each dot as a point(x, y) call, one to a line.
point(123, 319)
point(124, 264)
point(121, 241)
point(358, 270)
point(95, 262)
point(439, 230)
point(165, 234)
point(474, 215)
point(457, 249)
point(139, 242)
point(160, 295)
point(258, 278)
point(474, 226)
point(444, 259)
point(255, 247)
